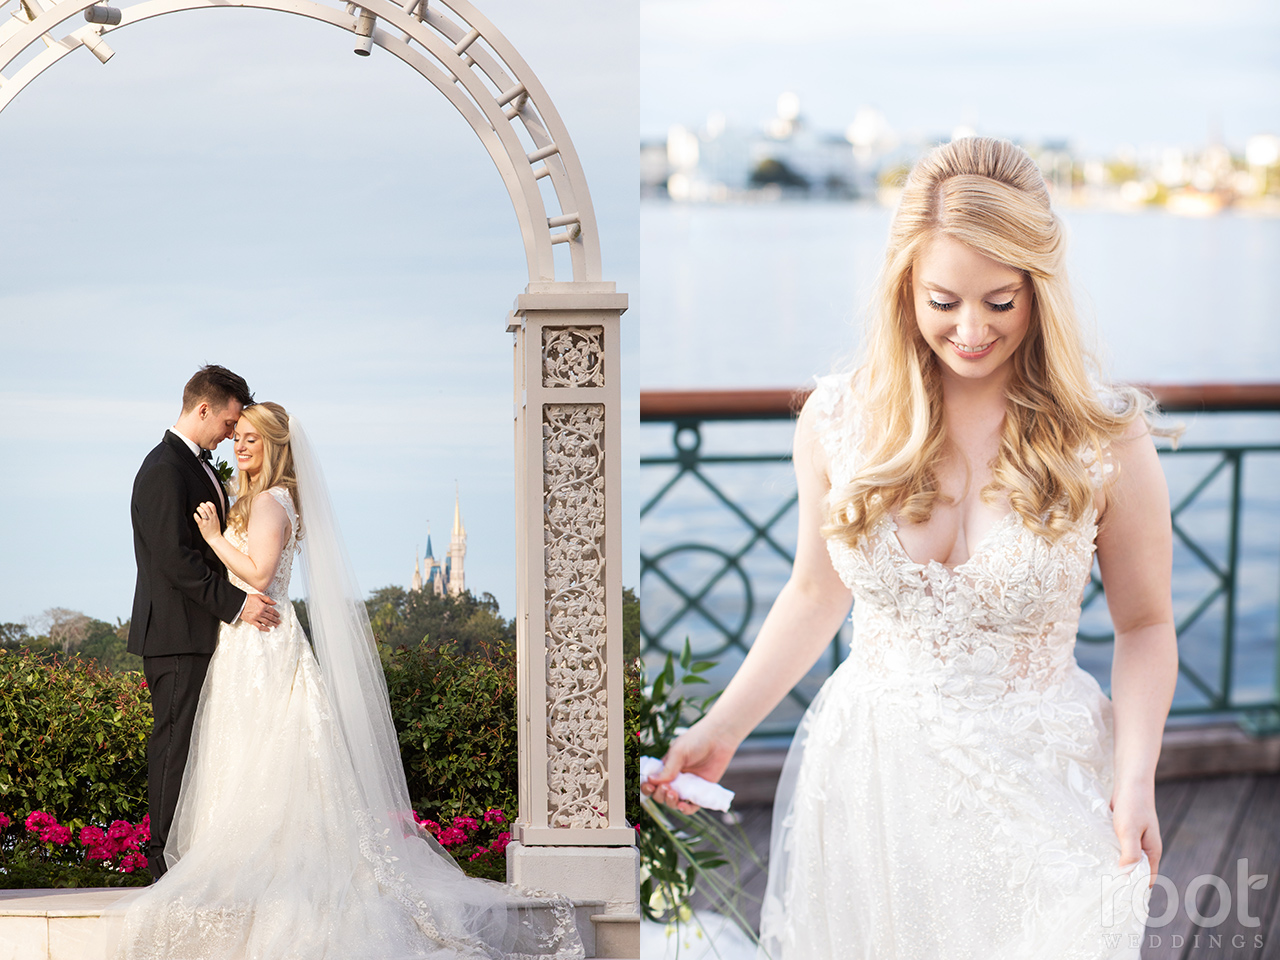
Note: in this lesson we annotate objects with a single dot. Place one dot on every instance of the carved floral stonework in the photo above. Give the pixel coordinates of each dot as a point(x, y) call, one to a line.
point(573, 356)
point(573, 541)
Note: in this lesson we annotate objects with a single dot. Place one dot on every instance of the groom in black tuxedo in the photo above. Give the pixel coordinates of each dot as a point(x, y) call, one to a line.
point(182, 590)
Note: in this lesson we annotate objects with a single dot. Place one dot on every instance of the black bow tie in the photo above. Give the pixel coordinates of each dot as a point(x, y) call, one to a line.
point(206, 456)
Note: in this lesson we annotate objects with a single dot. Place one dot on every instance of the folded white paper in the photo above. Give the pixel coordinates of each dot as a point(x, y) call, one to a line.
point(689, 786)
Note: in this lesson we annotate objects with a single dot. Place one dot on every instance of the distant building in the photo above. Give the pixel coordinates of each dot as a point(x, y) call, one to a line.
point(787, 157)
point(447, 576)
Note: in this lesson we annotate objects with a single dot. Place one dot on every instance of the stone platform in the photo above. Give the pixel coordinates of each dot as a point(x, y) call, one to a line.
point(59, 925)
point(49, 924)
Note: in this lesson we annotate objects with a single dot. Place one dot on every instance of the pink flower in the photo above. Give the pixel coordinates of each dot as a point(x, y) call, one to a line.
point(494, 815)
point(132, 862)
point(92, 836)
point(451, 837)
point(120, 830)
point(466, 823)
point(4, 822)
point(143, 832)
point(501, 843)
point(480, 852)
point(39, 820)
point(48, 828)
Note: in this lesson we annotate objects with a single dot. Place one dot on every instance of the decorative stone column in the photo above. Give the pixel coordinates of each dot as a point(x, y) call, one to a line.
point(571, 836)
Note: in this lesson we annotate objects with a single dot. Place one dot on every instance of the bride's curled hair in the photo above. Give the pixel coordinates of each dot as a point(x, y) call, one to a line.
point(990, 195)
point(272, 424)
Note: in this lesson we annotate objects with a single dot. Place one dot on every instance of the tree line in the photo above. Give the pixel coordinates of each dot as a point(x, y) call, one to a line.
point(399, 617)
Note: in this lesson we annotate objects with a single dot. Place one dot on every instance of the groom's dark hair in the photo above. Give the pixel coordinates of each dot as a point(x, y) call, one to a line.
point(217, 385)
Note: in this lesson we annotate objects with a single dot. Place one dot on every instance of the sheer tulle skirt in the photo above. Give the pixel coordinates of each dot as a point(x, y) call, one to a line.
point(913, 824)
point(273, 856)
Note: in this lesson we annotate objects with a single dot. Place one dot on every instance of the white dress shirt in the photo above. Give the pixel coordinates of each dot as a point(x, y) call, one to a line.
point(195, 449)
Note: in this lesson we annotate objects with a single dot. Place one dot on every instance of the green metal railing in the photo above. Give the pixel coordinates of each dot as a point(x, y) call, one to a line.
point(718, 524)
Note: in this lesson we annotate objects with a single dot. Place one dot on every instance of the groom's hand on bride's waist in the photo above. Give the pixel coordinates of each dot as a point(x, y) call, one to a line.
point(257, 611)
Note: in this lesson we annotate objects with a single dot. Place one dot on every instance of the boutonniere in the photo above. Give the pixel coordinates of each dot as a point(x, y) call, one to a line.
point(223, 471)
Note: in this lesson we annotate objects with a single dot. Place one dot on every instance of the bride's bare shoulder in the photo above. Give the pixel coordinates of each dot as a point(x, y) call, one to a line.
point(268, 512)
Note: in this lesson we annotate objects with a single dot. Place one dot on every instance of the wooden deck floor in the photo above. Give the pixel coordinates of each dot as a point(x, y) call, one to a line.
point(1208, 825)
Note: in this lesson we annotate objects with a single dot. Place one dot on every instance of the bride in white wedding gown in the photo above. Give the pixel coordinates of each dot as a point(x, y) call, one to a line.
point(960, 788)
point(293, 836)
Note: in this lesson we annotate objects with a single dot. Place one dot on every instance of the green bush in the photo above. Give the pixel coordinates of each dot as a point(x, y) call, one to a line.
point(409, 618)
point(633, 707)
point(630, 624)
point(73, 736)
point(37, 851)
point(37, 875)
point(73, 739)
point(456, 717)
point(108, 645)
point(73, 742)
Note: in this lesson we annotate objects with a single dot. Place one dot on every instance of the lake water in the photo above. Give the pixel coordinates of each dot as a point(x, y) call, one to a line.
point(748, 295)
point(768, 295)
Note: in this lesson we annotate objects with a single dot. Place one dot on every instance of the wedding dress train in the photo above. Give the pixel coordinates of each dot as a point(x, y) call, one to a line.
point(275, 852)
point(947, 793)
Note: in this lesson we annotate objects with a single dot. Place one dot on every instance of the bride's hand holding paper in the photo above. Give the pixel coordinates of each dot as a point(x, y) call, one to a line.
point(692, 789)
point(699, 751)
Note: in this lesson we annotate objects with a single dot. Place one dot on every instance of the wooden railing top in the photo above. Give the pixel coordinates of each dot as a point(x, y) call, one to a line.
point(780, 403)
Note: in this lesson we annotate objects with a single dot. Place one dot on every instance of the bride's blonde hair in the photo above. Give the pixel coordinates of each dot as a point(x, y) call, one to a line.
point(990, 195)
point(272, 423)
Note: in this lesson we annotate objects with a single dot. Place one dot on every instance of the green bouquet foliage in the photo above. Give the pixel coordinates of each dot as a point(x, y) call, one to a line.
point(73, 739)
point(682, 854)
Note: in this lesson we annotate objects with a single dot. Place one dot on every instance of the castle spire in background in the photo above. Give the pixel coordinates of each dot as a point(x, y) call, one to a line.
point(457, 548)
point(446, 575)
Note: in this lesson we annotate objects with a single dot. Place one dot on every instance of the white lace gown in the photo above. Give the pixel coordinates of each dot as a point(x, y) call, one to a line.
point(947, 793)
point(275, 857)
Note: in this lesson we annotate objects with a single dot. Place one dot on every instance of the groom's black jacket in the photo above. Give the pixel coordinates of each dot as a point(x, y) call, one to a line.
point(182, 590)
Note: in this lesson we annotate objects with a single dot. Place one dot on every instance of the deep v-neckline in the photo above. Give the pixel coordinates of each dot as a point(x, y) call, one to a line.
point(891, 526)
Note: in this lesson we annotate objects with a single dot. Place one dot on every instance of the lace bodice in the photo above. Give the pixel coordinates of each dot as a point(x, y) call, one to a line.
point(278, 589)
point(1003, 621)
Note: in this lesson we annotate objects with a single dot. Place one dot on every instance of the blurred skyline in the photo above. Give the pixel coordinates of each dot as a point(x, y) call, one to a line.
point(1098, 74)
point(238, 187)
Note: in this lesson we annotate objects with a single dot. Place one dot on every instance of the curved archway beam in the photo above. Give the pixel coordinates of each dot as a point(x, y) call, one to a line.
point(577, 197)
point(445, 54)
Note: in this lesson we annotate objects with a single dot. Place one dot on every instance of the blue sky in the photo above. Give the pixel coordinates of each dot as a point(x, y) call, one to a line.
point(236, 186)
point(1096, 72)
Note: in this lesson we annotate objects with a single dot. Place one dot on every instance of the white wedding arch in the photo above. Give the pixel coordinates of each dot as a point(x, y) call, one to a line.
point(570, 835)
